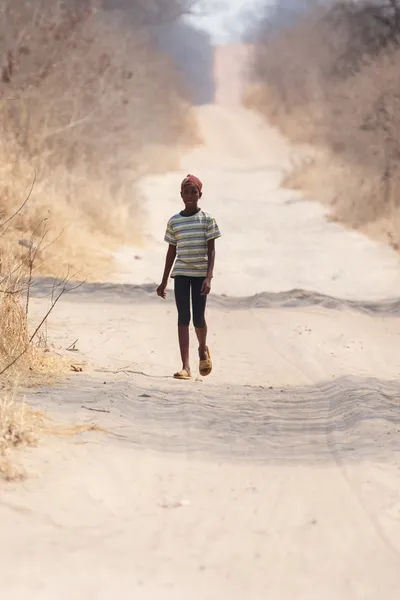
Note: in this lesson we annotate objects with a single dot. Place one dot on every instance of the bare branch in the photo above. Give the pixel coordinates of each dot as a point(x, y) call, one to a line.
point(22, 205)
point(71, 125)
point(40, 325)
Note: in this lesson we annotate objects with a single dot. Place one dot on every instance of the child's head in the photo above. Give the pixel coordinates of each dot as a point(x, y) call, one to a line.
point(191, 191)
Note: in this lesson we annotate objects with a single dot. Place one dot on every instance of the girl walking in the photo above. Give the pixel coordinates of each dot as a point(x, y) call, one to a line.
point(191, 236)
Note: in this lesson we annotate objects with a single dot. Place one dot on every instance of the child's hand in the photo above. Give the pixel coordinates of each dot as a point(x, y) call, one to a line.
point(206, 287)
point(161, 290)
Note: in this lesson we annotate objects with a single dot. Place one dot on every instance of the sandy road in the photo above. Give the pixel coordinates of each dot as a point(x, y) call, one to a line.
point(273, 240)
point(279, 477)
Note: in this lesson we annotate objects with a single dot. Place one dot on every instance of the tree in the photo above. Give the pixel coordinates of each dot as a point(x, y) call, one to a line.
point(149, 13)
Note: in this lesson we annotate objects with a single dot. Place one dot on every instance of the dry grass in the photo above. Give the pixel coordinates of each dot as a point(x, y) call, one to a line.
point(19, 427)
point(87, 102)
point(23, 345)
point(330, 79)
point(25, 358)
point(88, 105)
point(22, 426)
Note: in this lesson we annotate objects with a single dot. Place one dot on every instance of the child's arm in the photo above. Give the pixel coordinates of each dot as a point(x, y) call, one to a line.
point(206, 287)
point(169, 262)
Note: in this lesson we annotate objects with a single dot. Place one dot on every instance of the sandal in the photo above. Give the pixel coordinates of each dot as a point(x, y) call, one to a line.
point(182, 375)
point(206, 365)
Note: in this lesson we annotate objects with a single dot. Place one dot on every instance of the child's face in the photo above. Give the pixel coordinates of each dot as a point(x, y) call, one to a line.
point(191, 195)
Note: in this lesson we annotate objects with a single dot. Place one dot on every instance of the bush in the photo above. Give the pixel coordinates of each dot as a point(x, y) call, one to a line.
point(82, 95)
point(86, 104)
point(330, 79)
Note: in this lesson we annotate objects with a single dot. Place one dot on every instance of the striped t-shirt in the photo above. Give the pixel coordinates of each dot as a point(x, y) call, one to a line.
point(190, 235)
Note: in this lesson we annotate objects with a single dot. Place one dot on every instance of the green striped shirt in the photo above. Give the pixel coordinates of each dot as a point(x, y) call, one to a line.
point(190, 236)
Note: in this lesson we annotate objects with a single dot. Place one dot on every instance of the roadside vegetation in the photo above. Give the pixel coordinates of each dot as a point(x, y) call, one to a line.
point(327, 77)
point(88, 105)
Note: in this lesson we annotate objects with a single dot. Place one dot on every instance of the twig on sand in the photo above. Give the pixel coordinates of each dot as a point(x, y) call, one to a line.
point(72, 347)
point(127, 371)
point(99, 410)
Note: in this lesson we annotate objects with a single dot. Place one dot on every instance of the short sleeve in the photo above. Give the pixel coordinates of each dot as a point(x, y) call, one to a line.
point(170, 235)
point(212, 231)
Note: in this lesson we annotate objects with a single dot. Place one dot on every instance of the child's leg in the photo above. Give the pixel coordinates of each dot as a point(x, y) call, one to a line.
point(182, 299)
point(199, 309)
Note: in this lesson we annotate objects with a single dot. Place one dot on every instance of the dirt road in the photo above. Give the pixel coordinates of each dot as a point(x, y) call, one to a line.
point(278, 477)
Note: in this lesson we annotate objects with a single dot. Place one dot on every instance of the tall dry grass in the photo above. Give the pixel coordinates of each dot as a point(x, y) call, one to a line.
point(24, 351)
point(87, 106)
point(87, 102)
point(25, 357)
point(330, 79)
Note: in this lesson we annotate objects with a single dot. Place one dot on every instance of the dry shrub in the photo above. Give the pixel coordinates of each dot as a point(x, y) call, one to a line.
point(331, 79)
point(22, 426)
point(14, 339)
point(89, 105)
point(19, 427)
point(23, 345)
point(24, 352)
point(25, 359)
point(82, 97)
point(13, 325)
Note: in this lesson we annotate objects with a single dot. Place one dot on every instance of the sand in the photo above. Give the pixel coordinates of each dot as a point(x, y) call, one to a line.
point(276, 478)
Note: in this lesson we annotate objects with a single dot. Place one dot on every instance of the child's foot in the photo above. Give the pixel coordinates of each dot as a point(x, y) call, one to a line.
point(184, 374)
point(205, 362)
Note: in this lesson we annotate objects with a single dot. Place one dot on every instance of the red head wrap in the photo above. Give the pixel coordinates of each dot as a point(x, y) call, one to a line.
point(193, 180)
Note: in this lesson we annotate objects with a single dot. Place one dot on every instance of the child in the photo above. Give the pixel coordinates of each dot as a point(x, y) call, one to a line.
point(191, 236)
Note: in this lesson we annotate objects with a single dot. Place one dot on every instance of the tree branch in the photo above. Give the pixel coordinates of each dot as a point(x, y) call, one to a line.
point(40, 325)
point(21, 207)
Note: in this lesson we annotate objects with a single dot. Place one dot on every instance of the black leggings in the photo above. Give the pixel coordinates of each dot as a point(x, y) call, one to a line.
point(183, 285)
